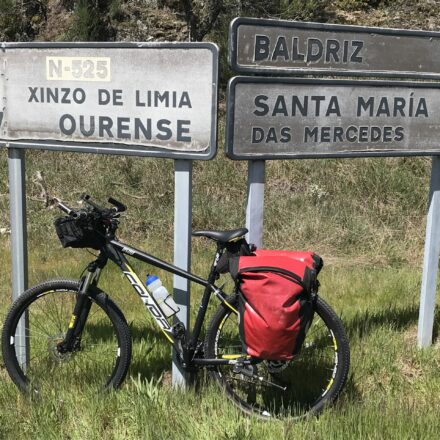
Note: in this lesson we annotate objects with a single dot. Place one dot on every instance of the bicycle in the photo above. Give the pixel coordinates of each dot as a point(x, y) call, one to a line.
point(75, 333)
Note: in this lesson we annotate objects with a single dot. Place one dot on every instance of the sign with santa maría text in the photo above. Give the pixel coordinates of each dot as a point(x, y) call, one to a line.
point(280, 118)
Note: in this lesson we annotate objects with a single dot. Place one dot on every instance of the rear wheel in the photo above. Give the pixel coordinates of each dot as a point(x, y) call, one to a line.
point(100, 358)
point(300, 387)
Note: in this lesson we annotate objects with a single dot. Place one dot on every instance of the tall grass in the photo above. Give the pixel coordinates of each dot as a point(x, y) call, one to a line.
point(393, 389)
point(367, 210)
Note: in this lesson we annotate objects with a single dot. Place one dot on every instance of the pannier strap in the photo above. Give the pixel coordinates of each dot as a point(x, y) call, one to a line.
point(294, 277)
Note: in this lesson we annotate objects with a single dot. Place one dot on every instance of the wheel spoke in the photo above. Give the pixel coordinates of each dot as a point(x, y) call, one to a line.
point(96, 359)
point(306, 378)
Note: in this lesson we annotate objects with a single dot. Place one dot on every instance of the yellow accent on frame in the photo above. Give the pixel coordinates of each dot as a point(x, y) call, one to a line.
point(168, 337)
point(232, 308)
point(235, 356)
point(235, 239)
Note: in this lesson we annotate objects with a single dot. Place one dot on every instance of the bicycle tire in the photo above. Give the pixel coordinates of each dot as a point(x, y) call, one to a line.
point(304, 396)
point(49, 307)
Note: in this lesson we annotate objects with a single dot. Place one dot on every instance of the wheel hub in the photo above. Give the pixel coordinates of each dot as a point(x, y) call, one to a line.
point(54, 345)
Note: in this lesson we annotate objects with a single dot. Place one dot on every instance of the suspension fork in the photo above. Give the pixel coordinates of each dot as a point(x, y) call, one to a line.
point(83, 305)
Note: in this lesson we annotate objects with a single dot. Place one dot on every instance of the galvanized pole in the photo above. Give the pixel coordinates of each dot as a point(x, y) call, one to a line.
point(431, 260)
point(182, 249)
point(17, 208)
point(255, 201)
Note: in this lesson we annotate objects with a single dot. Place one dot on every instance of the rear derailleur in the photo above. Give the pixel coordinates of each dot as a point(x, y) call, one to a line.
point(251, 371)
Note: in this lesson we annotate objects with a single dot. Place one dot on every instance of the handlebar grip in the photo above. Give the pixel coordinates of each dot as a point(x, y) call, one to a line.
point(120, 207)
point(63, 207)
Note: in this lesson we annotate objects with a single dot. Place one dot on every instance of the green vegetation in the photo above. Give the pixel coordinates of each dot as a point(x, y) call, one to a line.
point(368, 211)
point(365, 217)
point(392, 392)
point(90, 21)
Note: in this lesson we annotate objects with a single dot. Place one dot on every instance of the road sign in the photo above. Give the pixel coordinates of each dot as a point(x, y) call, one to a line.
point(281, 118)
point(291, 47)
point(157, 99)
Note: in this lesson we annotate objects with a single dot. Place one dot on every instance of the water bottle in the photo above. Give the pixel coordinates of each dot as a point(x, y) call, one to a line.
point(160, 293)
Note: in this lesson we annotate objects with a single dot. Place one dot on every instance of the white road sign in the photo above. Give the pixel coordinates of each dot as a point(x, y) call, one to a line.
point(139, 99)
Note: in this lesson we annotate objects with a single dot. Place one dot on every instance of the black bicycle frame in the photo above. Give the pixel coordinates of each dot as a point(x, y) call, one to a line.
point(116, 252)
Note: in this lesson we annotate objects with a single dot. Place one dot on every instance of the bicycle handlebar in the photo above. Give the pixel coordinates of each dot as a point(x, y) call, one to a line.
point(63, 207)
point(107, 212)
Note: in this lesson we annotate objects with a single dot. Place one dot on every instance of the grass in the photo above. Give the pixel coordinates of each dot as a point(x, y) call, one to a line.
point(393, 389)
point(364, 216)
point(357, 209)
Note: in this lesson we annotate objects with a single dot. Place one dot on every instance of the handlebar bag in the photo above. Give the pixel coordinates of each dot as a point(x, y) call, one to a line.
point(79, 233)
point(276, 301)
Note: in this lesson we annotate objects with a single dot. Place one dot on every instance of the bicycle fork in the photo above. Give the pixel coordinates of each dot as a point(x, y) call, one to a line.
point(80, 313)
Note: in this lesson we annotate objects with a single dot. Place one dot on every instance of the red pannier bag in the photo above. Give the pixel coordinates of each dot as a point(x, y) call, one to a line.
point(275, 301)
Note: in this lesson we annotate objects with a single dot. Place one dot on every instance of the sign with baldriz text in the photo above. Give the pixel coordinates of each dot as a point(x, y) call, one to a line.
point(280, 118)
point(157, 99)
point(291, 47)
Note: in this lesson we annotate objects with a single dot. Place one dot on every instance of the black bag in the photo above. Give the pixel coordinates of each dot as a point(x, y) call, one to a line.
point(235, 249)
point(80, 233)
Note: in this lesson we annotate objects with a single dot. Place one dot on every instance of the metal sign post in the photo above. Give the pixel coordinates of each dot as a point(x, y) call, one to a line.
point(255, 201)
point(182, 249)
point(17, 207)
point(431, 260)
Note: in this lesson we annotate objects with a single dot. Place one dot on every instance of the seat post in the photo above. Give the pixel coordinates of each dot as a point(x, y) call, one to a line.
point(213, 275)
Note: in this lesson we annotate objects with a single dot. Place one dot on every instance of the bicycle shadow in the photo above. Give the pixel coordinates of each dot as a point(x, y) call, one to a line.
point(398, 318)
point(151, 354)
point(147, 361)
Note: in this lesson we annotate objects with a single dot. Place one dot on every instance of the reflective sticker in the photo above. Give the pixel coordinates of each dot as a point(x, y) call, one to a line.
point(72, 321)
point(11, 342)
point(330, 384)
point(328, 387)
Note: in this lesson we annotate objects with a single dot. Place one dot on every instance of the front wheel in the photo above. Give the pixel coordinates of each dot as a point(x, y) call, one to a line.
point(300, 387)
point(33, 359)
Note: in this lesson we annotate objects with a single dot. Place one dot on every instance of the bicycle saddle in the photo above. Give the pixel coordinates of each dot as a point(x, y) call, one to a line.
point(222, 236)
